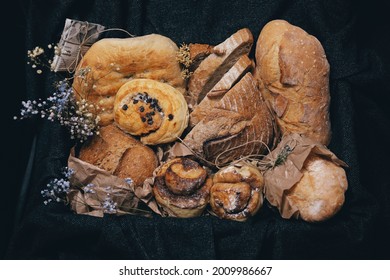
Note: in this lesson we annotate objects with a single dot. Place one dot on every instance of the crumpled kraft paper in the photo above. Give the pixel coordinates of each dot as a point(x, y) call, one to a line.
point(95, 192)
point(283, 169)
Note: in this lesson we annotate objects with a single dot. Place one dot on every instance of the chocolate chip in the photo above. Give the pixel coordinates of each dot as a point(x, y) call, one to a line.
point(152, 113)
point(150, 121)
point(135, 101)
point(170, 117)
point(143, 119)
point(141, 109)
point(125, 107)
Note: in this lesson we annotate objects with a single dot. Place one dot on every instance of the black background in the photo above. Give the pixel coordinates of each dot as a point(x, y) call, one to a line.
point(355, 35)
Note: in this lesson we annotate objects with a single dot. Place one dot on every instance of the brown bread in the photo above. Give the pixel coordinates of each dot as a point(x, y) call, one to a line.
point(214, 66)
point(294, 76)
point(240, 124)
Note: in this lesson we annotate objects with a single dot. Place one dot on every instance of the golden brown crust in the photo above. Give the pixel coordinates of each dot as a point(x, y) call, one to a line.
point(120, 154)
point(214, 66)
point(112, 62)
point(190, 197)
point(238, 125)
point(230, 78)
point(184, 177)
point(236, 193)
point(153, 110)
point(294, 79)
point(319, 194)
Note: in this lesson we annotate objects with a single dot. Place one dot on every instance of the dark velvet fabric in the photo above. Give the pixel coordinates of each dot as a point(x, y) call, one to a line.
point(352, 34)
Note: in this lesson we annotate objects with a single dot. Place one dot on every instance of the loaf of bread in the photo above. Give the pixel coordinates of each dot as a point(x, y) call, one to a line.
point(304, 179)
point(293, 73)
point(120, 154)
point(238, 125)
point(215, 65)
point(112, 62)
point(182, 187)
point(155, 111)
point(319, 194)
point(237, 192)
point(230, 78)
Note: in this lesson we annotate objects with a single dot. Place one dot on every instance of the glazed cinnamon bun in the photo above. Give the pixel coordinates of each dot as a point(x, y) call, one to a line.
point(182, 188)
point(236, 193)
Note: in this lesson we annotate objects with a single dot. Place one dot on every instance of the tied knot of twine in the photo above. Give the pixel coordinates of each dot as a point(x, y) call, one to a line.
point(275, 159)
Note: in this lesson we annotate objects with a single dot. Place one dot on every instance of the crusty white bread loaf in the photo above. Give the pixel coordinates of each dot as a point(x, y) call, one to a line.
point(319, 195)
point(293, 74)
point(214, 66)
point(240, 124)
point(112, 62)
point(230, 78)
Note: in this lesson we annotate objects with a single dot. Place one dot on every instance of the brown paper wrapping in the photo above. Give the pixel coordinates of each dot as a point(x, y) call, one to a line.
point(283, 169)
point(96, 192)
point(77, 37)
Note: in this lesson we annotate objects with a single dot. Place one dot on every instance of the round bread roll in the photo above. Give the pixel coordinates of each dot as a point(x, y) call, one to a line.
point(120, 154)
point(236, 193)
point(320, 193)
point(182, 188)
point(293, 74)
point(112, 62)
point(153, 110)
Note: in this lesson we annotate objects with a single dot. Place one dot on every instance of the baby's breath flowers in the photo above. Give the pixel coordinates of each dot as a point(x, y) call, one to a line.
point(38, 59)
point(76, 116)
point(79, 116)
point(57, 189)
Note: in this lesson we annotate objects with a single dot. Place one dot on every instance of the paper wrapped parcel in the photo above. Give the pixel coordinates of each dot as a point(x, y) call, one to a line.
point(77, 37)
point(284, 168)
point(96, 192)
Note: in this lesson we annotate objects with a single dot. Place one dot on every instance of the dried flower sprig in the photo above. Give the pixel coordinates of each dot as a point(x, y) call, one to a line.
point(38, 58)
point(184, 58)
point(57, 189)
point(61, 106)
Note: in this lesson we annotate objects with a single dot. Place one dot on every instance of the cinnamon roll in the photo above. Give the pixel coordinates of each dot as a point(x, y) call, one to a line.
point(155, 111)
point(236, 193)
point(182, 187)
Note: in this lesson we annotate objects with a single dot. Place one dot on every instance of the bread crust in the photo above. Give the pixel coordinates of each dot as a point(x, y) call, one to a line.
point(112, 62)
point(120, 154)
point(238, 125)
point(319, 194)
point(293, 75)
point(214, 66)
point(236, 193)
point(155, 111)
point(188, 198)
